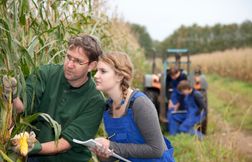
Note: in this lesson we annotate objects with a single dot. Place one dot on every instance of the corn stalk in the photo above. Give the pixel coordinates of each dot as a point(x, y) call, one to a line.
point(6, 120)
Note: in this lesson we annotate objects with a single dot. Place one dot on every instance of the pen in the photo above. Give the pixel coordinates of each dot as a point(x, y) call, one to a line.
point(111, 136)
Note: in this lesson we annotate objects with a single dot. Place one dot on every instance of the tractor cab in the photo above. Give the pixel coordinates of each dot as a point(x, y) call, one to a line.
point(174, 59)
point(155, 85)
point(158, 87)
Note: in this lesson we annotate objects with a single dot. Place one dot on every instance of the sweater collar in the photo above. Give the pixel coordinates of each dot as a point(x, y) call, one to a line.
point(79, 89)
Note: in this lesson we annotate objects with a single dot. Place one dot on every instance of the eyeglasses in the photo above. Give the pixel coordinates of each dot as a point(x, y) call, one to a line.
point(75, 61)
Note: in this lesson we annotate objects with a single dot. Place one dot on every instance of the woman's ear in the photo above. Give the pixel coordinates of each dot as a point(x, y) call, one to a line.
point(119, 78)
point(92, 66)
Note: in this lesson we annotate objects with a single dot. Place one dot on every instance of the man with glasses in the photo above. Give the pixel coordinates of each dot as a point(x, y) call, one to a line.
point(68, 94)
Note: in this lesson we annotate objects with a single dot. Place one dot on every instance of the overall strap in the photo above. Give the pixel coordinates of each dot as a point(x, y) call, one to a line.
point(134, 96)
point(108, 104)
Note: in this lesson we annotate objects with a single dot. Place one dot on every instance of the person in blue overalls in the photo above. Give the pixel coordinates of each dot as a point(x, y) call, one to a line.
point(174, 97)
point(173, 78)
point(130, 119)
point(196, 111)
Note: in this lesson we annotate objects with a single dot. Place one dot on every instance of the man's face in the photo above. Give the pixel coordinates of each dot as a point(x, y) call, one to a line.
point(76, 65)
point(186, 92)
point(174, 77)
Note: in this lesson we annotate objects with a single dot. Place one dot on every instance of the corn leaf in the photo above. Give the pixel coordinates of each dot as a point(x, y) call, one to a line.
point(24, 7)
point(5, 157)
point(5, 27)
point(25, 122)
point(56, 126)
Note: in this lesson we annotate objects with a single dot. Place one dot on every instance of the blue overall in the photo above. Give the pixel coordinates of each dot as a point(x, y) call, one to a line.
point(184, 122)
point(124, 130)
point(175, 96)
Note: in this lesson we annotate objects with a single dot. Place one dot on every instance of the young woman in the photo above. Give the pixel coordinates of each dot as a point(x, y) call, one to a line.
point(130, 118)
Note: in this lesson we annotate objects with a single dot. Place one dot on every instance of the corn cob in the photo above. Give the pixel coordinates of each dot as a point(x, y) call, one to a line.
point(24, 144)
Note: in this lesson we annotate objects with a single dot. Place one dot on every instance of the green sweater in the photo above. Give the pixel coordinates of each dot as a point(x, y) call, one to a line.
point(78, 110)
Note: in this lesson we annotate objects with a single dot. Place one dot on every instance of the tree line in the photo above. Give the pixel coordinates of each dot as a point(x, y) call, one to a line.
point(199, 39)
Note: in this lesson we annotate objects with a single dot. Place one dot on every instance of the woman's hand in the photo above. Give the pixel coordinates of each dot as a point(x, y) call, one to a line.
point(102, 151)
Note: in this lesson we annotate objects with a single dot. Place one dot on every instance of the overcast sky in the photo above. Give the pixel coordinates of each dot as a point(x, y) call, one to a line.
point(162, 17)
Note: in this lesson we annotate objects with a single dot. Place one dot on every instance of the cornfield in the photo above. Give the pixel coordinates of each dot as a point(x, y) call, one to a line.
point(33, 33)
point(235, 63)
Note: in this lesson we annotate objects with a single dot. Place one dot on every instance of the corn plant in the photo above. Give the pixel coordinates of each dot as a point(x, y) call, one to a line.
point(234, 63)
point(33, 33)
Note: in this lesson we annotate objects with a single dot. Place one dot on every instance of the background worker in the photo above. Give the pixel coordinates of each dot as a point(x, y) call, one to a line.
point(196, 111)
point(200, 84)
point(174, 97)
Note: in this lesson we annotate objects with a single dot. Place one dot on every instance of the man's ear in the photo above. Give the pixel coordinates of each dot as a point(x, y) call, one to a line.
point(92, 66)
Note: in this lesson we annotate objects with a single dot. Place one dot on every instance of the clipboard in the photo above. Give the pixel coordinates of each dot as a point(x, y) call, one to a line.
point(91, 143)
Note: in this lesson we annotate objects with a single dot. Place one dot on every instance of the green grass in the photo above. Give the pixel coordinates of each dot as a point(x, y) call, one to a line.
point(232, 99)
point(189, 148)
point(230, 113)
point(231, 84)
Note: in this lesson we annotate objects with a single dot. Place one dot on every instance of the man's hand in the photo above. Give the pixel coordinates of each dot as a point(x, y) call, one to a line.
point(25, 143)
point(176, 106)
point(9, 87)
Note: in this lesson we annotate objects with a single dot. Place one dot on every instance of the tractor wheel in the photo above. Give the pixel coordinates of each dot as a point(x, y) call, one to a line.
point(153, 96)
